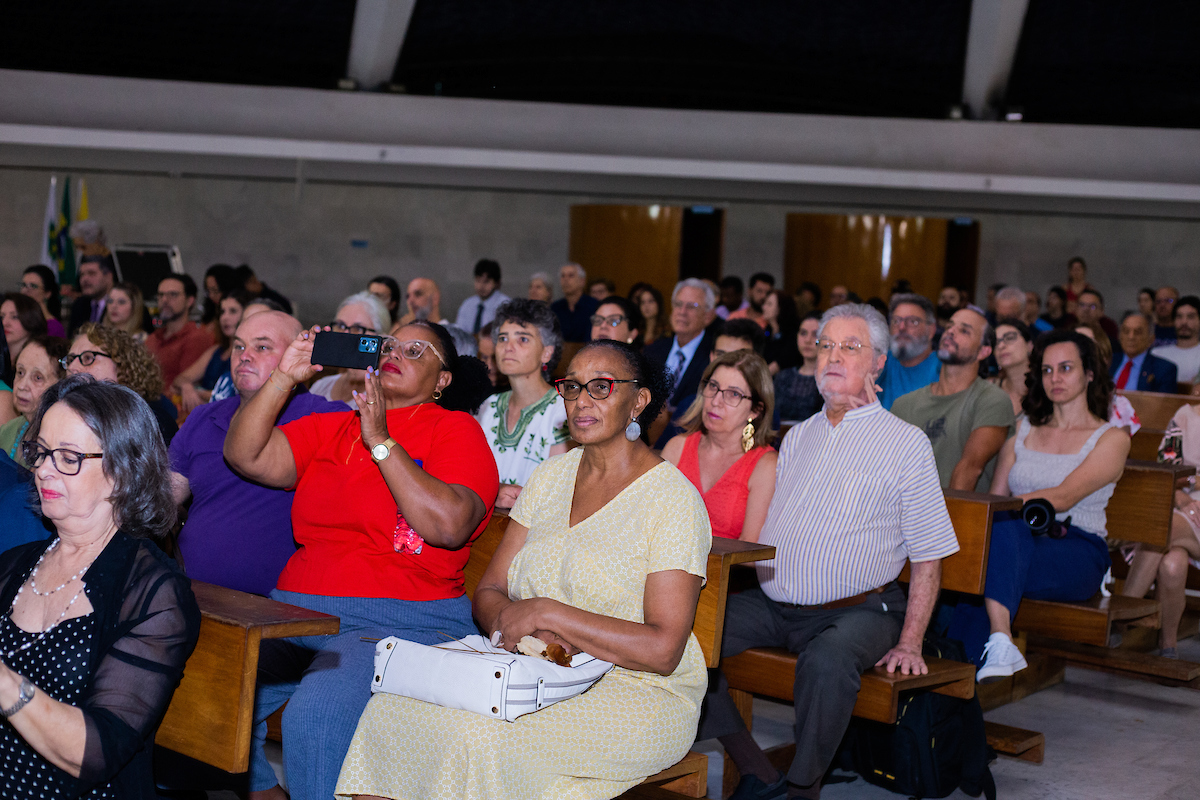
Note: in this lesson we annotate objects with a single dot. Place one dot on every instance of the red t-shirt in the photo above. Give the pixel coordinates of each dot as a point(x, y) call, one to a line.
point(344, 516)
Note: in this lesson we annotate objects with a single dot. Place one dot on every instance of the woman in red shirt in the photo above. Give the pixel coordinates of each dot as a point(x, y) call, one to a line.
point(725, 452)
point(387, 501)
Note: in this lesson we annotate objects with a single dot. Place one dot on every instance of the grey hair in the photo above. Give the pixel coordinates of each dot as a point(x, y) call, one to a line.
point(89, 231)
point(916, 300)
point(544, 277)
point(376, 308)
point(464, 342)
point(876, 325)
point(710, 297)
point(579, 269)
point(535, 314)
point(1011, 293)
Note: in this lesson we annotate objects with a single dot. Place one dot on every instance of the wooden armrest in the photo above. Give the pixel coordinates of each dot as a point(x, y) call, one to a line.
point(1143, 501)
point(971, 514)
point(709, 625)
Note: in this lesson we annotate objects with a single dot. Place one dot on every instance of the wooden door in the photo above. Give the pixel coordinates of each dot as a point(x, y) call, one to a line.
point(866, 253)
point(628, 244)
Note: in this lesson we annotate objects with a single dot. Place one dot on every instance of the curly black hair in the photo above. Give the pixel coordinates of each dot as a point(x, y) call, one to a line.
point(1038, 406)
point(648, 375)
point(470, 385)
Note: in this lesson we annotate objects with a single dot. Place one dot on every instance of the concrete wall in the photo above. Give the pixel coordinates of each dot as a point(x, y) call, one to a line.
point(302, 244)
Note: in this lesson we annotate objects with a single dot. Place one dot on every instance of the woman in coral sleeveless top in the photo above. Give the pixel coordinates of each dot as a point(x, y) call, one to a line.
point(725, 452)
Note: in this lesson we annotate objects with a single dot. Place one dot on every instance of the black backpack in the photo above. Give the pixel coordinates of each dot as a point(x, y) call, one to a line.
point(937, 744)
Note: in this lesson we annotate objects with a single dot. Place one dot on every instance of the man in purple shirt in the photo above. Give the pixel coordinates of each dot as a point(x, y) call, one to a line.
point(238, 534)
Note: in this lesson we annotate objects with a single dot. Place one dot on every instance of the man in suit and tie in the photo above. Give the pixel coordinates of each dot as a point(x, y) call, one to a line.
point(96, 276)
point(685, 356)
point(1136, 368)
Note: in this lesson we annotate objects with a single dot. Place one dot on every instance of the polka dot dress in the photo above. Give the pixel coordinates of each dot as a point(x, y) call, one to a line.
point(597, 745)
point(58, 665)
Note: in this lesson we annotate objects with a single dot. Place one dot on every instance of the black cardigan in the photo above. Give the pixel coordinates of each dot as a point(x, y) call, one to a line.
point(147, 626)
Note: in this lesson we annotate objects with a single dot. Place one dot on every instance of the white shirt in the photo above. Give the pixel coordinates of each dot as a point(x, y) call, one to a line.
point(852, 503)
point(1186, 359)
point(470, 307)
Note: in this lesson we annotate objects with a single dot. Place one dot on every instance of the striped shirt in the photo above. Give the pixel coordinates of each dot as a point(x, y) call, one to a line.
point(852, 503)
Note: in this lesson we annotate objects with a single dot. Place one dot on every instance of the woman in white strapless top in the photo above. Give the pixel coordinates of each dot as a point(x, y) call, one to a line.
point(1065, 452)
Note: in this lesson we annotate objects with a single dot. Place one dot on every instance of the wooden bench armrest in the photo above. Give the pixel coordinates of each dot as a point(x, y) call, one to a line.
point(211, 712)
point(1143, 501)
point(971, 514)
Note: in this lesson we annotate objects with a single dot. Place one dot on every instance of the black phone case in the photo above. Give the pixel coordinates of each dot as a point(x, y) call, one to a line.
point(351, 350)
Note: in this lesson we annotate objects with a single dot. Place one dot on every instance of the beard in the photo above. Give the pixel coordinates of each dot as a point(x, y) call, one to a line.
point(756, 307)
point(946, 311)
point(421, 313)
point(907, 348)
point(954, 358)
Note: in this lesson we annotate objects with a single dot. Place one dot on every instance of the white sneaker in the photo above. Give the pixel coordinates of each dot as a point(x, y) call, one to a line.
point(1001, 659)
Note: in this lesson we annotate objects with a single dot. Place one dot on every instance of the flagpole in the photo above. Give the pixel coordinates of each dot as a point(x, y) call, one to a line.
point(48, 224)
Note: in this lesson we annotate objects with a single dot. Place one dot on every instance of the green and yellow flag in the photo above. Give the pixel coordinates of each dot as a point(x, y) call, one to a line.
point(62, 249)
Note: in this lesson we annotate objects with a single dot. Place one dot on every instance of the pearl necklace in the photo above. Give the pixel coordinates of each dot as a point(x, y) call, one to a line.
point(42, 635)
point(33, 575)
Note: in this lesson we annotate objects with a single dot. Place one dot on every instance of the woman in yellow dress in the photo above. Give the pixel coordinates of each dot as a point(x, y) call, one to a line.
point(614, 571)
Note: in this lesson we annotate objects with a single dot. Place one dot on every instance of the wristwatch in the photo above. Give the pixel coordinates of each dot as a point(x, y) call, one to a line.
point(382, 450)
point(24, 694)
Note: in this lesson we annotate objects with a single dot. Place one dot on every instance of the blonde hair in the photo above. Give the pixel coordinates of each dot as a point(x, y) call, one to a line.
point(136, 367)
point(762, 393)
point(133, 325)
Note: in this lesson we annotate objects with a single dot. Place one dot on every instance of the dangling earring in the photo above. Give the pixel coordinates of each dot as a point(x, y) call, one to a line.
point(748, 436)
point(633, 430)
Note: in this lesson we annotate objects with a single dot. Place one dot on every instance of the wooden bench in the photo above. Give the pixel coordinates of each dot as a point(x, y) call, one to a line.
point(1154, 411)
point(771, 671)
point(211, 713)
point(1139, 511)
point(690, 776)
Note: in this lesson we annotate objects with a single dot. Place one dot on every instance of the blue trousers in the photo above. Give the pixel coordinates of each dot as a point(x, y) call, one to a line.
point(326, 681)
point(1067, 570)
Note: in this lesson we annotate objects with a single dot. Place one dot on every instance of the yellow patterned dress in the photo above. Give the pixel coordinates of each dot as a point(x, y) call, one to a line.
point(628, 726)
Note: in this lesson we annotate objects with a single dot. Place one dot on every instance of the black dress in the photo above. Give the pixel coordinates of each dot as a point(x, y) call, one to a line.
point(143, 626)
point(58, 665)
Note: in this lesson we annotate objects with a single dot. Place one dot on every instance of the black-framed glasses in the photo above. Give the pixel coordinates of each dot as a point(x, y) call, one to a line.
point(597, 388)
point(731, 396)
point(68, 462)
point(86, 358)
point(613, 322)
point(340, 327)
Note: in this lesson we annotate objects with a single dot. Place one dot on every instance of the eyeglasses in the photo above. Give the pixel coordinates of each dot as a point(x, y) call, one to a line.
point(597, 388)
point(1009, 338)
point(613, 322)
point(33, 287)
point(851, 346)
point(678, 306)
point(68, 462)
point(1088, 307)
point(412, 349)
point(731, 396)
point(86, 358)
point(169, 295)
point(908, 322)
point(341, 327)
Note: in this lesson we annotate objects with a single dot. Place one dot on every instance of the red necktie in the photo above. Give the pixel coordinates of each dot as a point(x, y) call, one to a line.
point(1123, 378)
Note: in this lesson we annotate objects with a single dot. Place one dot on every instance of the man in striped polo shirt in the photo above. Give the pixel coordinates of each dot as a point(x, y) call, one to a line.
point(857, 494)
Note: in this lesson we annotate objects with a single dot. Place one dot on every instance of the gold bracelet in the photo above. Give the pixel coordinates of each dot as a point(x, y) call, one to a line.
point(271, 380)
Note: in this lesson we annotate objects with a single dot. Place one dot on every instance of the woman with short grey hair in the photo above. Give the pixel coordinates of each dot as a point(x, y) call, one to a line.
point(362, 312)
point(527, 424)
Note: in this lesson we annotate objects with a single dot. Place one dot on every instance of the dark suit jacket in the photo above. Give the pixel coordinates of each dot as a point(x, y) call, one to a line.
point(689, 383)
point(1157, 375)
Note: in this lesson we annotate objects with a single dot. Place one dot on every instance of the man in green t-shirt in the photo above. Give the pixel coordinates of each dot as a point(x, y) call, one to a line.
point(966, 418)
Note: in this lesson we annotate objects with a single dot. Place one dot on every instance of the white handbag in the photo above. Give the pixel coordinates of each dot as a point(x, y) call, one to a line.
point(472, 675)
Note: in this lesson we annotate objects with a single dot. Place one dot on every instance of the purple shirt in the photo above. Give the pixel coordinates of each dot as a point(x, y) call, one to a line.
point(238, 533)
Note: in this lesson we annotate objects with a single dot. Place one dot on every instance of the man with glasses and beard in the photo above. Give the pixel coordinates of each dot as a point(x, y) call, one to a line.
point(856, 496)
point(179, 341)
point(912, 363)
point(966, 418)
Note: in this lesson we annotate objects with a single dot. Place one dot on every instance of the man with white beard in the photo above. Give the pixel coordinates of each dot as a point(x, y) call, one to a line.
point(856, 495)
point(912, 363)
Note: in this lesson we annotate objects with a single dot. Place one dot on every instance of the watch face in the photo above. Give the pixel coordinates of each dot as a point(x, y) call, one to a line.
point(379, 451)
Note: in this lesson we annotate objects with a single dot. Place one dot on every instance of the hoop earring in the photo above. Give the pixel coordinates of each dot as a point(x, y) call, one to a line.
point(748, 436)
point(437, 395)
point(633, 430)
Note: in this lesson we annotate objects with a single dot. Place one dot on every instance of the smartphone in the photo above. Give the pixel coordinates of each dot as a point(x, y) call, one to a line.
point(352, 350)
